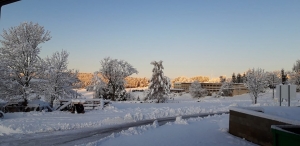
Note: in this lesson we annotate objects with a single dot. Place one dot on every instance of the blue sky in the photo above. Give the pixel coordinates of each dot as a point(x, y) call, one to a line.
point(201, 37)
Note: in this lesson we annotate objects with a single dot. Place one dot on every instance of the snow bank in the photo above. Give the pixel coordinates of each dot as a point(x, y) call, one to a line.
point(8, 130)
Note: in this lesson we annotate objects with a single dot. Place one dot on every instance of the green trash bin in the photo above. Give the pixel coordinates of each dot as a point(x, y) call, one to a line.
point(286, 135)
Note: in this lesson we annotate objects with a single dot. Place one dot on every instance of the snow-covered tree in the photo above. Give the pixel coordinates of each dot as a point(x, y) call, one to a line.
point(168, 84)
point(199, 79)
point(181, 79)
point(159, 85)
point(57, 78)
point(273, 78)
point(184, 79)
point(296, 66)
point(294, 76)
point(196, 90)
point(8, 87)
point(256, 83)
point(98, 86)
point(114, 73)
point(226, 89)
point(20, 52)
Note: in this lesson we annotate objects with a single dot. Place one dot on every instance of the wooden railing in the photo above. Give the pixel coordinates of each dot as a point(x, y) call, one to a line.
point(88, 104)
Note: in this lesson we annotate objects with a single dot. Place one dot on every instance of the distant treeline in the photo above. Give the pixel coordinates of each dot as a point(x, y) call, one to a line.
point(85, 79)
point(183, 79)
point(131, 82)
point(135, 82)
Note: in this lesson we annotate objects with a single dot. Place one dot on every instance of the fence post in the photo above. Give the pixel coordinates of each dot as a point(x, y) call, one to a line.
point(289, 96)
point(101, 103)
point(279, 95)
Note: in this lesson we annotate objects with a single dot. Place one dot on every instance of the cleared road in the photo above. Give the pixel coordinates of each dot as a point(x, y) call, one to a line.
point(85, 135)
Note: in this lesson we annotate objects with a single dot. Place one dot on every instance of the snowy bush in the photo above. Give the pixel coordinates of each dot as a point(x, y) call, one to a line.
point(197, 91)
point(226, 89)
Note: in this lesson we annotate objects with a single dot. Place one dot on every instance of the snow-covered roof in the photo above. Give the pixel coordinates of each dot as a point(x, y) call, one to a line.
point(176, 89)
point(276, 113)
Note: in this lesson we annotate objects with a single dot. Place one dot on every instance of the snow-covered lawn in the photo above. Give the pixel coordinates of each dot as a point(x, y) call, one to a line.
point(208, 130)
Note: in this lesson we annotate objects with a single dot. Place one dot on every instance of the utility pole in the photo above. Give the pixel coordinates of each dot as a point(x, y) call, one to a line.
point(6, 2)
point(273, 86)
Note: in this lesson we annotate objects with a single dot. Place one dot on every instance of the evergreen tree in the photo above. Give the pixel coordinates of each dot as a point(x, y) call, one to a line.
point(284, 77)
point(222, 79)
point(239, 78)
point(244, 78)
point(233, 79)
point(159, 84)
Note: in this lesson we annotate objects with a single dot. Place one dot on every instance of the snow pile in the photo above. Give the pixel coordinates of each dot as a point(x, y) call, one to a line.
point(179, 120)
point(130, 132)
point(8, 130)
point(155, 124)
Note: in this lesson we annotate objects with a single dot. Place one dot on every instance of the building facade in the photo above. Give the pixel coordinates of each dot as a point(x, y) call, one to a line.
point(238, 88)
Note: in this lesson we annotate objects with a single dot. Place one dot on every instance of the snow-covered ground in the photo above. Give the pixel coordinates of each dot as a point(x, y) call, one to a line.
point(199, 131)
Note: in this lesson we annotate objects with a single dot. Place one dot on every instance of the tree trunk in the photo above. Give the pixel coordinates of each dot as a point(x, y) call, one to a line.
point(113, 94)
point(52, 100)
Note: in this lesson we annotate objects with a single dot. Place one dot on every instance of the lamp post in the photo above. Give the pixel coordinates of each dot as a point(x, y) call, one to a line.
point(5, 2)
